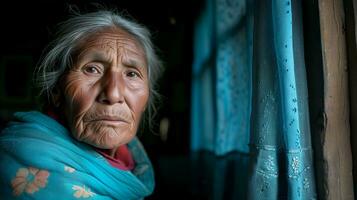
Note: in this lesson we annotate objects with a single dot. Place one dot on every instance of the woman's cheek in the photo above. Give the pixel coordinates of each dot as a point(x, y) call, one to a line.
point(79, 99)
point(141, 100)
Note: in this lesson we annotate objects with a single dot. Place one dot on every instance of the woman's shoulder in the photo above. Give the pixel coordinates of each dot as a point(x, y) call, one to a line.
point(25, 123)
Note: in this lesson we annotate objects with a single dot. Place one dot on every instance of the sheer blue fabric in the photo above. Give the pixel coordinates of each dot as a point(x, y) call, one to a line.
point(40, 160)
point(221, 86)
point(253, 98)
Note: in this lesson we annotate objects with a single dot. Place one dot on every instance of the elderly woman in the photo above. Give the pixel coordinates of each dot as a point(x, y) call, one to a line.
point(98, 77)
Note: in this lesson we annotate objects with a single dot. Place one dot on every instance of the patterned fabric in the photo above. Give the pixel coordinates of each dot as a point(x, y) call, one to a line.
point(253, 99)
point(221, 85)
point(40, 160)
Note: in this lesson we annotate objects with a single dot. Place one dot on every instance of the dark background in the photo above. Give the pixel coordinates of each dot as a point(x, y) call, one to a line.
point(26, 29)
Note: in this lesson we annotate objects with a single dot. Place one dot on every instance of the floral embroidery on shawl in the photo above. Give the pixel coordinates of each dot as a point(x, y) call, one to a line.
point(82, 192)
point(29, 180)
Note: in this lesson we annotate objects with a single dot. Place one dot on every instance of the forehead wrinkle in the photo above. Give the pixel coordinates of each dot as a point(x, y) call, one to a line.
point(92, 53)
point(130, 60)
point(125, 48)
point(104, 54)
point(89, 50)
point(108, 45)
point(120, 39)
point(121, 46)
point(125, 40)
point(103, 51)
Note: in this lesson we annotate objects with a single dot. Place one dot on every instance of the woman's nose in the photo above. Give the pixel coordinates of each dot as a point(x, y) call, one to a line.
point(112, 89)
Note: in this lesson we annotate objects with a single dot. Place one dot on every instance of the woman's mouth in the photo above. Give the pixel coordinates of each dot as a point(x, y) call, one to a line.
point(114, 120)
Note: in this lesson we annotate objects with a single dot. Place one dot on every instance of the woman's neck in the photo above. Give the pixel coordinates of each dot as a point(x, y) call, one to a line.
point(112, 152)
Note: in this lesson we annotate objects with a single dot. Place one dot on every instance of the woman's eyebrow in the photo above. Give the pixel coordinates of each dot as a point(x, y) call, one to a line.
point(94, 55)
point(133, 63)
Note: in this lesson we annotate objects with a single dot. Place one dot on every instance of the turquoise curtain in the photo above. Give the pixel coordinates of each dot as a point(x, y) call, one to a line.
point(249, 95)
point(221, 85)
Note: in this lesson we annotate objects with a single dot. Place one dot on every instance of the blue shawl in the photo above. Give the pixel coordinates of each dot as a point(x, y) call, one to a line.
point(40, 160)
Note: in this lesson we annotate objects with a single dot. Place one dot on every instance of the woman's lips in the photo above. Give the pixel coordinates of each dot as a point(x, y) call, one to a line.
point(110, 120)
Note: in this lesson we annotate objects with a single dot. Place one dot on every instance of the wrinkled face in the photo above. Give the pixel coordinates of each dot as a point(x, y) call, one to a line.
point(107, 90)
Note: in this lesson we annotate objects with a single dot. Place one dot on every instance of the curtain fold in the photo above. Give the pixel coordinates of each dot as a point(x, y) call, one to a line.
point(221, 85)
point(281, 152)
point(202, 105)
point(249, 95)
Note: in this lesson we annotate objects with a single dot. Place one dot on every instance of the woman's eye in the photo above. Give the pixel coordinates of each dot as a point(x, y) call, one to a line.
point(91, 69)
point(133, 74)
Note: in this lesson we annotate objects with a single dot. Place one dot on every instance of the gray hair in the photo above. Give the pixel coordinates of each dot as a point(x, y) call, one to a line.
point(58, 58)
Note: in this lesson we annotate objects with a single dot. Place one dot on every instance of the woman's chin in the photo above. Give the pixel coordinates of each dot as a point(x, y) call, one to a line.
point(112, 140)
